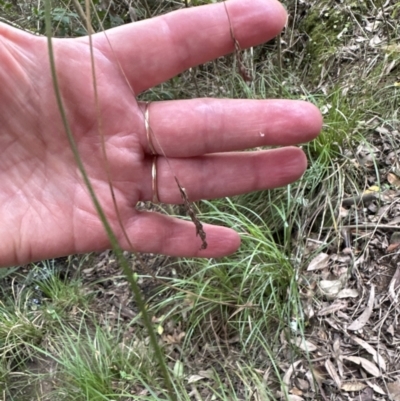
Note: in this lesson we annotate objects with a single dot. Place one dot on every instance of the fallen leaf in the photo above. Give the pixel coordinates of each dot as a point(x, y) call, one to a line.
point(332, 373)
point(353, 386)
point(195, 378)
point(289, 372)
point(302, 384)
point(375, 355)
point(304, 344)
point(376, 388)
point(332, 308)
point(315, 377)
point(348, 293)
point(319, 262)
point(175, 338)
point(330, 288)
point(392, 247)
point(393, 179)
point(296, 391)
point(394, 286)
point(370, 367)
point(332, 323)
point(362, 320)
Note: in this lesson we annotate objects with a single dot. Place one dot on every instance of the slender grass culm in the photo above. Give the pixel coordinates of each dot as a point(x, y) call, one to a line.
point(113, 240)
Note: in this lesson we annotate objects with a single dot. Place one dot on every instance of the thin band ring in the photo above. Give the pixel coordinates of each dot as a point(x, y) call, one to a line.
point(154, 188)
point(148, 129)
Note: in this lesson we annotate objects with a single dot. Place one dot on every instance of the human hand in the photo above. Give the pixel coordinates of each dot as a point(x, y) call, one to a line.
point(45, 208)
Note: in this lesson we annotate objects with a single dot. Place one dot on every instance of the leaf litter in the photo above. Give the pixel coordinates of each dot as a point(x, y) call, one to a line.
point(350, 290)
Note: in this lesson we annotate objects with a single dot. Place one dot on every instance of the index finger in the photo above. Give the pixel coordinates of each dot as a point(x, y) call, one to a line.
point(154, 50)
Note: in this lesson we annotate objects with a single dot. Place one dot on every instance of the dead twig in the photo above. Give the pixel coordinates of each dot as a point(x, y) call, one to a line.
point(192, 214)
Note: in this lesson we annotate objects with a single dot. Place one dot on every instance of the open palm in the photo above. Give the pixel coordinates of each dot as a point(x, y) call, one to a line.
point(45, 208)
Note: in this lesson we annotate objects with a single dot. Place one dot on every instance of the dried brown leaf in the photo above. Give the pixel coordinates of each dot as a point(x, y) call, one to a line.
point(337, 353)
point(332, 373)
point(362, 320)
point(289, 372)
point(348, 293)
point(353, 386)
point(302, 384)
point(330, 288)
point(375, 355)
point(376, 388)
point(304, 345)
point(175, 338)
point(195, 378)
point(393, 179)
point(319, 262)
point(369, 366)
point(332, 308)
point(392, 247)
point(394, 285)
point(296, 391)
point(332, 323)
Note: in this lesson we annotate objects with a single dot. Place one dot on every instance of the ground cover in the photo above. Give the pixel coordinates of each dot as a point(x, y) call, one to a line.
point(308, 308)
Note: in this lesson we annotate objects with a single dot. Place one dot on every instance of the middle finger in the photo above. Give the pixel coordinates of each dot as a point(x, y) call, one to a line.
point(187, 128)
